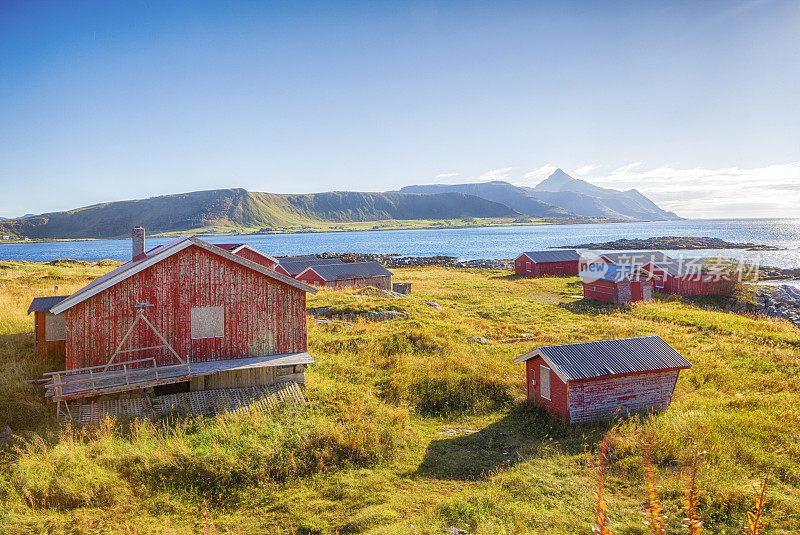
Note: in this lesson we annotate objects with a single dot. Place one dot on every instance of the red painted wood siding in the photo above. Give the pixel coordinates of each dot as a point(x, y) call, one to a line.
point(524, 266)
point(262, 315)
point(619, 292)
point(557, 404)
point(257, 258)
point(600, 290)
point(43, 347)
point(603, 398)
point(311, 277)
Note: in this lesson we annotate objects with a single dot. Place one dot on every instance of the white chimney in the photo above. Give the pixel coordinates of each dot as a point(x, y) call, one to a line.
point(137, 242)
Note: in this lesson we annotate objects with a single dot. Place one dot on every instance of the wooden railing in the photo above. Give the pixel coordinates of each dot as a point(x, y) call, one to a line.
point(110, 374)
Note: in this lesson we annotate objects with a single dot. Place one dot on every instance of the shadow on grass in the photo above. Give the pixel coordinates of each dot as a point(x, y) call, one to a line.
point(527, 431)
point(593, 307)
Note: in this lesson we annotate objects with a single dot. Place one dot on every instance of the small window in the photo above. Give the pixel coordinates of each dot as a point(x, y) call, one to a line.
point(527, 266)
point(284, 370)
point(207, 322)
point(544, 380)
point(55, 328)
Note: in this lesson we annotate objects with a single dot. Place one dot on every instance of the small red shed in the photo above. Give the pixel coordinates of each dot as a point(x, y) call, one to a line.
point(614, 283)
point(49, 330)
point(353, 275)
point(548, 263)
point(250, 253)
point(591, 381)
point(294, 265)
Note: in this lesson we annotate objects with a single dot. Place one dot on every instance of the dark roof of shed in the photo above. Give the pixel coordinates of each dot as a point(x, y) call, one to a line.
point(557, 255)
point(671, 266)
point(354, 270)
point(611, 272)
point(295, 267)
point(586, 360)
point(44, 304)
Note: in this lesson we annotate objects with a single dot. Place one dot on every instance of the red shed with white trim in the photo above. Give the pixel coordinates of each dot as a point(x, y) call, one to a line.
point(187, 312)
point(549, 263)
point(591, 381)
point(250, 253)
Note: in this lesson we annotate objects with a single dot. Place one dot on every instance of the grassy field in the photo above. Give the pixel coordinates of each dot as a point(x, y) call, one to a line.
point(412, 428)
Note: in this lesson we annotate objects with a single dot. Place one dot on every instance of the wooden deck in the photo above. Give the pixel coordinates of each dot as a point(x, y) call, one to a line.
point(205, 402)
point(145, 373)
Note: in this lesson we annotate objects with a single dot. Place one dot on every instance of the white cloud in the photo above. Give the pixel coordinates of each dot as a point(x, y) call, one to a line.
point(586, 169)
point(541, 173)
point(446, 175)
point(496, 174)
point(770, 191)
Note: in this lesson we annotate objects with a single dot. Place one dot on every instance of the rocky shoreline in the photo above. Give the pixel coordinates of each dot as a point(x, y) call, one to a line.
point(396, 260)
point(671, 243)
point(774, 301)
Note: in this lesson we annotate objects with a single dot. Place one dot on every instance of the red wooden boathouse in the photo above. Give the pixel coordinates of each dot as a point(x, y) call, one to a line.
point(348, 275)
point(185, 316)
point(684, 276)
point(548, 263)
point(598, 380)
point(617, 284)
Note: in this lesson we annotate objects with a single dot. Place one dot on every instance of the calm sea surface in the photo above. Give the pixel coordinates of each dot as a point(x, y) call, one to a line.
point(468, 243)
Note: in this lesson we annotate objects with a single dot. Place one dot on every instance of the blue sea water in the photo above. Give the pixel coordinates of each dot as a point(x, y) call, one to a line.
point(466, 243)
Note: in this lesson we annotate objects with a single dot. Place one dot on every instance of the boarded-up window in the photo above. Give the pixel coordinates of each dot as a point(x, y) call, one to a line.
point(55, 328)
point(544, 381)
point(207, 322)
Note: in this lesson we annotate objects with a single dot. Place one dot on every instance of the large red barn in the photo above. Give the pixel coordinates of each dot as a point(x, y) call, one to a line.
point(598, 380)
point(185, 316)
point(549, 263)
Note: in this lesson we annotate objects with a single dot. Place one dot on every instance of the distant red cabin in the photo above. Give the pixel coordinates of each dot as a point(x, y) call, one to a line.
point(352, 275)
point(245, 251)
point(566, 262)
point(680, 277)
point(294, 265)
point(616, 284)
point(599, 380)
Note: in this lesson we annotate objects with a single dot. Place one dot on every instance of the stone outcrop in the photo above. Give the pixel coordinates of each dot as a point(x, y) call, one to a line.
point(671, 243)
point(774, 301)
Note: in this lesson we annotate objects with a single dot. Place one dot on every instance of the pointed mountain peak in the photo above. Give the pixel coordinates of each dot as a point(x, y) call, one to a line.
point(559, 175)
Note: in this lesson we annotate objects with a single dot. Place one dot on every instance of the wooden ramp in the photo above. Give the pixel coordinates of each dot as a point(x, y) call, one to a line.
point(205, 402)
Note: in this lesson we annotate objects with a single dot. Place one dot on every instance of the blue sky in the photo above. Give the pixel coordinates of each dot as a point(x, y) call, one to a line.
point(693, 103)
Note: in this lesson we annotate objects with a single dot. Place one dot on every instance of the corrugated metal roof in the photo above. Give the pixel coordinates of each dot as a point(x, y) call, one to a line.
point(557, 255)
point(295, 267)
point(44, 304)
point(611, 272)
point(601, 358)
point(354, 270)
point(674, 267)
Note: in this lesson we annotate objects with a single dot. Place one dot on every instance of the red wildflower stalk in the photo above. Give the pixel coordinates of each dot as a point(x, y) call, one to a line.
point(755, 518)
point(601, 519)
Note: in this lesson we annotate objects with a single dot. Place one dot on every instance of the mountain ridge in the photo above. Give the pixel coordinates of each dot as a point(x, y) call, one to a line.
point(239, 208)
point(560, 191)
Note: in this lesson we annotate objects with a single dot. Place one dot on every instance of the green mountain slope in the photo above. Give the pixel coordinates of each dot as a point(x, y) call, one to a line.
point(238, 208)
